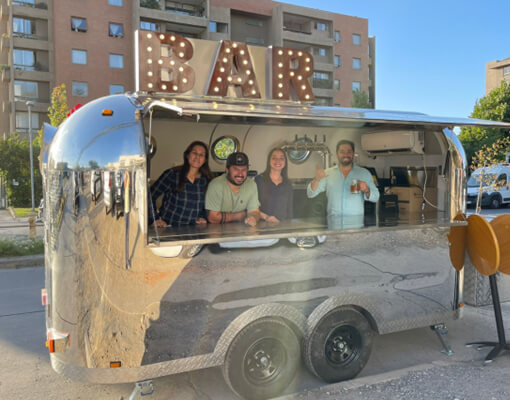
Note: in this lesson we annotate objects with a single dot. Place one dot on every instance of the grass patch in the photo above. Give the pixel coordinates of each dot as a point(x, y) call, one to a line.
point(12, 247)
point(23, 212)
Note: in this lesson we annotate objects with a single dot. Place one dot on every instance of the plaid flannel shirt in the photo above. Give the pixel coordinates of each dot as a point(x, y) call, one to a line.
point(179, 208)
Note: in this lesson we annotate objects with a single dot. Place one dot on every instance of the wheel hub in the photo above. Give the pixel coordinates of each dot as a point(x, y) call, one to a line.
point(343, 345)
point(264, 360)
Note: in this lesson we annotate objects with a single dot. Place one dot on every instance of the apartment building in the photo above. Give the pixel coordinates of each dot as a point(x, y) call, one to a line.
point(343, 53)
point(26, 62)
point(89, 46)
point(495, 72)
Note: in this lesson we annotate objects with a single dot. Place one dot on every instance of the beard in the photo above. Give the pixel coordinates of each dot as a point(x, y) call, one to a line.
point(345, 162)
point(232, 181)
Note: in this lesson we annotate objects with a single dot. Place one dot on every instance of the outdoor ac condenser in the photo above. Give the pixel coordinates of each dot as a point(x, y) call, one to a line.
point(393, 142)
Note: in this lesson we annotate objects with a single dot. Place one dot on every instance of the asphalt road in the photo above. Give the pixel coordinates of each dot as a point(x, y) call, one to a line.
point(405, 365)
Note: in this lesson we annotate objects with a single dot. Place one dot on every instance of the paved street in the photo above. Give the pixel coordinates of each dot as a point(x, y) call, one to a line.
point(405, 365)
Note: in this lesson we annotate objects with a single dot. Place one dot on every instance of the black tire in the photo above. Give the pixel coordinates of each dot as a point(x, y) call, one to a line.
point(262, 359)
point(495, 202)
point(339, 345)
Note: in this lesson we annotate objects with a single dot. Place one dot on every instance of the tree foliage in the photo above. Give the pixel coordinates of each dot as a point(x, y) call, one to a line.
point(57, 112)
point(495, 107)
point(15, 170)
point(360, 99)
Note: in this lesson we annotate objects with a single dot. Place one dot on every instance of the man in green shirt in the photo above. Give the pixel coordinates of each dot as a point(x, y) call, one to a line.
point(230, 197)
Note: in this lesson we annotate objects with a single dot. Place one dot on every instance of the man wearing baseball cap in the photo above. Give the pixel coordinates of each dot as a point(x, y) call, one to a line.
point(230, 197)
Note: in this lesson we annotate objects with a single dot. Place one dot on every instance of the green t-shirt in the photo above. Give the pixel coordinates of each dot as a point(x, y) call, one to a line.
point(220, 197)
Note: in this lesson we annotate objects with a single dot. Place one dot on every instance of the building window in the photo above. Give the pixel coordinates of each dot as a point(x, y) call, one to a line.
point(114, 89)
point(356, 86)
point(356, 39)
point(337, 61)
point(254, 22)
point(321, 26)
point(356, 63)
point(78, 24)
point(184, 8)
point(149, 26)
point(25, 90)
point(22, 27)
point(506, 71)
point(26, 3)
point(116, 61)
point(80, 89)
point(219, 27)
point(22, 121)
point(338, 38)
point(254, 40)
point(116, 30)
point(117, 3)
point(319, 51)
point(24, 59)
point(321, 80)
point(336, 84)
point(79, 56)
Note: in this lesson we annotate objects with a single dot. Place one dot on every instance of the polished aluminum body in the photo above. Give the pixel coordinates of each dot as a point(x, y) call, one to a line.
point(159, 307)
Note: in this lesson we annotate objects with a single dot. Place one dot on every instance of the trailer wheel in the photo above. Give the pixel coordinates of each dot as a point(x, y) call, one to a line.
point(262, 359)
point(339, 345)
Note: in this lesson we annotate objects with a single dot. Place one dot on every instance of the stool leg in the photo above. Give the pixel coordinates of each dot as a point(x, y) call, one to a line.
point(501, 344)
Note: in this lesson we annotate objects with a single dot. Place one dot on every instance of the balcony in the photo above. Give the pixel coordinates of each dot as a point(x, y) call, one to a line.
point(34, 75)
point(6, 107)
point(6, 73)
point(31, 42)
point(40, 105)
point(322, 83)
point(4, 10)
point(297, 28)
point(5, 44)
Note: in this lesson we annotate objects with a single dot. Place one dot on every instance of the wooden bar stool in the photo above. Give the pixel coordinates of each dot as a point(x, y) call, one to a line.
point(488, 247)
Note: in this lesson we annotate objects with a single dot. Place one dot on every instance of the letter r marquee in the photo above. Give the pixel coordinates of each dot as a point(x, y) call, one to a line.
point(291, 66)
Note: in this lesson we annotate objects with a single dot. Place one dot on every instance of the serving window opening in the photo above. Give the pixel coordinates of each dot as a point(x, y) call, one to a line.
point(412, 182)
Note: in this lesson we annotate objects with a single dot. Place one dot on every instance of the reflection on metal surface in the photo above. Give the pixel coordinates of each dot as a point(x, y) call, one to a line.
point(169, 314)
point(223, 147)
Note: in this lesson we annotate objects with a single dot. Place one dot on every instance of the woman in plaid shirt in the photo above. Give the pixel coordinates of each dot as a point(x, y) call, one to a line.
point(183, 189)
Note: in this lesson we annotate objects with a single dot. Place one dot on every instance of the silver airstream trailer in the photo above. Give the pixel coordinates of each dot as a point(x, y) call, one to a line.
point(128, 302)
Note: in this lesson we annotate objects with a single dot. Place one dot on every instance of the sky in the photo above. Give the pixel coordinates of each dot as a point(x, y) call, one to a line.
point(430, 55)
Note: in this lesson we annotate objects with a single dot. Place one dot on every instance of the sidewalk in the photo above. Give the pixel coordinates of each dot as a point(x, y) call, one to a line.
point(18, 228)
point(409, 366)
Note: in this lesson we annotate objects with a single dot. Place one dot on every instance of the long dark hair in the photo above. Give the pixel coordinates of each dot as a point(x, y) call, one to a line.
point(184, 168)
point(265, 174)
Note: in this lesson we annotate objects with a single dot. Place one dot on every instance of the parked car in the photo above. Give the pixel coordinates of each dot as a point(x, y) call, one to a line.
point(493, 182)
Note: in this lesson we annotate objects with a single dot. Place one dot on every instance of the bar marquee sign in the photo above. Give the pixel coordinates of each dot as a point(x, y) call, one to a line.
point(171, 63)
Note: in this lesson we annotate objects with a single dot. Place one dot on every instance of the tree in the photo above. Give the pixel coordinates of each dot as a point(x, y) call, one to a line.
point(360, 100)
point(486, 157)
point(57, 112)
point(495, 107)
point(15, 170)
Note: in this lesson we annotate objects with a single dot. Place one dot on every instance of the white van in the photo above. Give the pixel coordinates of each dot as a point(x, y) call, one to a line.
point(495, 189)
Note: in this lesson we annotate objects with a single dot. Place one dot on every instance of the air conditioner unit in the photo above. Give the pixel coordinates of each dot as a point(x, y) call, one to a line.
point(393, 142)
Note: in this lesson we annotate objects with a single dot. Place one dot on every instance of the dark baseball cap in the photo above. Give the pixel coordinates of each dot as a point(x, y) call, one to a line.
point(238, 159)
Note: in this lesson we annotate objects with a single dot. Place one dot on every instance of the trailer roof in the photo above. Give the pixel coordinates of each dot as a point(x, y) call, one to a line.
point(273, 111)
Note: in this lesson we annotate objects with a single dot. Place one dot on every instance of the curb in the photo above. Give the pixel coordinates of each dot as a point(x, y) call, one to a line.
point(22, 262)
